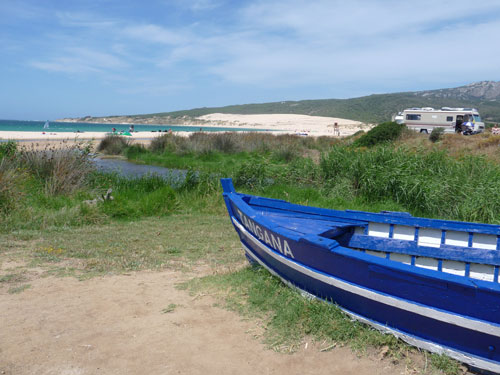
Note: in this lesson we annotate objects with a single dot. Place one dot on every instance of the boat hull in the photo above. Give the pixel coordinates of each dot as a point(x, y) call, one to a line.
point(416, 329)
point(363, 288)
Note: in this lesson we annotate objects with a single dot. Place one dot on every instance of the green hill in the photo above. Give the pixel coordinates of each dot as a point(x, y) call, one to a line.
point(485, 96)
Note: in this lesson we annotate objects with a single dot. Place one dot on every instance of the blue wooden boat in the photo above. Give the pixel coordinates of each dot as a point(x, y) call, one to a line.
point(432, 283)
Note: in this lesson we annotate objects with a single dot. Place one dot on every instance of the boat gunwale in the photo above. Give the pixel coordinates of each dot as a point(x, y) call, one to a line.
point(333, 246)
point(386, 217)
point(386, 295)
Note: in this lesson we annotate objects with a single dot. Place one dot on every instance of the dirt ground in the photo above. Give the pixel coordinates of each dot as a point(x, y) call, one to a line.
point(142, 324)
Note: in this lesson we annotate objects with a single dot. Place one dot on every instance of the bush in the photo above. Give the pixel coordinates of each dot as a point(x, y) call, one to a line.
point(384, 132)
point(8, 149)
point(252, 174)
point(285, 152)
point(113, 145)
point(61, 171)
point(226, 142)
point(134, 150)
point(436, 135)
point(11, 184)
point(169, 142)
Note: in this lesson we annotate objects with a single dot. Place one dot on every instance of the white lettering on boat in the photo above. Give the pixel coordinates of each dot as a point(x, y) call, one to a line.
point(265, 236)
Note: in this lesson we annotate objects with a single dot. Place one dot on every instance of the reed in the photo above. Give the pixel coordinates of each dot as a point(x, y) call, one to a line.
point(113, 145)
point(231, 142)
point(12, 179)
point(427, 183)
point(60, 170)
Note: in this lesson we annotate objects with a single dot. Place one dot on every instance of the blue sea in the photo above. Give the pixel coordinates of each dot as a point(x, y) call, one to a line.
point(74, 127)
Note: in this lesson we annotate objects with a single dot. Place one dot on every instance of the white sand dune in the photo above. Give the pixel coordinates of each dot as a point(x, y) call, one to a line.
point(287, 123)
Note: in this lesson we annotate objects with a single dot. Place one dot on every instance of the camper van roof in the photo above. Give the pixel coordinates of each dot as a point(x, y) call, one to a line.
point(430, 109)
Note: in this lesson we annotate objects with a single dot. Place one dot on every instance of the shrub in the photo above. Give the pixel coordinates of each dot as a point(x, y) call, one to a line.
point(11, 184)
point(436, 135)
point(61, 171)
point(384, 132)
point(113, 144)
point(134, 150)
point(8, 149)
point(285, 152)
point(252, 174)
point(171, 143)
point(206, 143)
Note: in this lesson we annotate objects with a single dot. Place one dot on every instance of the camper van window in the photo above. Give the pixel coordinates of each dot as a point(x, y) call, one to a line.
point(477, 118)
point(413, 117)
point(449, 118)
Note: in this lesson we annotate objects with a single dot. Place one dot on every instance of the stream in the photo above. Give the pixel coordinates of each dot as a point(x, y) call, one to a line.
point(130, 170)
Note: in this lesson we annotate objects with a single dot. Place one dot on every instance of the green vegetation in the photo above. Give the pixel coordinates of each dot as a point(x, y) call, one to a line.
point(113, 145)
point(371, 109)
point(428, 184)
point(436, 135)
point(385, 132)
point(171, 307)
point(50, 219)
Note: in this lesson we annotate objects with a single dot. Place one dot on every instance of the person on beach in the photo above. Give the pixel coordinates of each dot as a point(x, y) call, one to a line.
point(495, 130)
point(131, 129)
point(113, 130)
point(336, 130)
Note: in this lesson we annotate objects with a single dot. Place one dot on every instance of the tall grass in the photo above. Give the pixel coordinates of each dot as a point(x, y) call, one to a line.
point(232, 142)
point(61, 170)
point(8, 149)
point(113, 144)
point(12, 179)
point(427, 183)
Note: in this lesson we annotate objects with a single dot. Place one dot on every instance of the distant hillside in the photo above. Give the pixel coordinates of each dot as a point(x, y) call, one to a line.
point(485, 96)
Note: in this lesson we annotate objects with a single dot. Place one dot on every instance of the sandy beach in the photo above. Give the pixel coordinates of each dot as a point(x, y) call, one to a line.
point(287, 123)
point(276, 123)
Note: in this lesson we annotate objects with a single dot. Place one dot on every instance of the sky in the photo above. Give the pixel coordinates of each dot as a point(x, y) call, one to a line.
point(61, 58)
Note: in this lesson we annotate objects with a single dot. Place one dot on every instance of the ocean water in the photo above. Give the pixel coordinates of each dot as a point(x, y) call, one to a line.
point(73, 127)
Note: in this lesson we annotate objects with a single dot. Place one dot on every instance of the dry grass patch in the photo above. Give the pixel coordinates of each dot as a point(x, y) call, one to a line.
point(177, 241)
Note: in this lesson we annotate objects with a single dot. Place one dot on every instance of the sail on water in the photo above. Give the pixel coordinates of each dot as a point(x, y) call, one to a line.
point(46, 125)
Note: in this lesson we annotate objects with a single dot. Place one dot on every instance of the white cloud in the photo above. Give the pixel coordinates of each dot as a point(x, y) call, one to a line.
point(292, 43)
point(80, 60)
point(155, 34)
point(297, 42)
point(200, 5)
point(84, 20)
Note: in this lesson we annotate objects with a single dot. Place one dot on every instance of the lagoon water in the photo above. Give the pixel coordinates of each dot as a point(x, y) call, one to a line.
point(130, 170)
point(72, 127)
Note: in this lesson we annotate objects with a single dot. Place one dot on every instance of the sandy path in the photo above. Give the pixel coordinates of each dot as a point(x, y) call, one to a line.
point(115, 325)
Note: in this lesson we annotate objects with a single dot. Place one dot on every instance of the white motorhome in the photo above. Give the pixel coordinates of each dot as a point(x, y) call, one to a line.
point(424, 120)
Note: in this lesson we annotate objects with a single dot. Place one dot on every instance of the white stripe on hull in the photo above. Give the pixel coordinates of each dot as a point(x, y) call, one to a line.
point(446, 317)
point(412, 340)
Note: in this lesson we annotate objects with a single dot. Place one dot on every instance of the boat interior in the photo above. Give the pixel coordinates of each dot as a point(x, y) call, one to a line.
point(458, 248)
